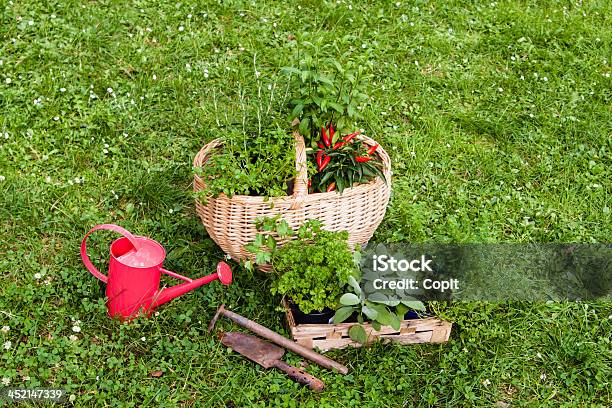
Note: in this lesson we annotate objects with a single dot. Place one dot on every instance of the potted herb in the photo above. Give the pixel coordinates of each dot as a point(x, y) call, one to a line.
point(251, 165)
point(310, 270)
point(379, 310)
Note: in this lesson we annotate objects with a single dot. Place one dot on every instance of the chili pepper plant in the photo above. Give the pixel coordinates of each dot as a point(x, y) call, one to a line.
point(326, 90)
point(329, 98)
point(342, 162)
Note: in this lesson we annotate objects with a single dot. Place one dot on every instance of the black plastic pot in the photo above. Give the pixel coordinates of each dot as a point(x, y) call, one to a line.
point(316, 317)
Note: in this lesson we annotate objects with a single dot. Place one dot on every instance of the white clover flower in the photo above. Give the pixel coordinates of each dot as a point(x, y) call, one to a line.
point(545, 79)
point(30, 23)
point(155, 79)
point(486, 382)
point(143, 338)
point(189, 16)
point(56, 118)
point(6, 381)
point(76, 329)
point(364, 45)
point(6, 135)
point(62, 89)
point(257, 74)
point(543, 377)
point(181, 28)
point(8, 80)
point(6, 329)
point(109, 90)
point(500, 89)
point(2, 178)
point(73, 337)
point(8, 344)
point(37, 275)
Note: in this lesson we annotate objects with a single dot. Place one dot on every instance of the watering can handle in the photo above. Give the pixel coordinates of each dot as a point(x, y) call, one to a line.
point(109, 227)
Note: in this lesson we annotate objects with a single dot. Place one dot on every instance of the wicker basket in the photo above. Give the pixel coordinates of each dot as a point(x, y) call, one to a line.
point(230, 222)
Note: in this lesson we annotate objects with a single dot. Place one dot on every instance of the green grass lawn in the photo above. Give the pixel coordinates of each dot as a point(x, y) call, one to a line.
point(496, 116)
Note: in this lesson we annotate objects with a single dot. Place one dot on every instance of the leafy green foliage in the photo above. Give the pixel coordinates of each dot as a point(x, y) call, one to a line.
point(327, 87)
point(264, 244)
point(313, 269)
point(379, 312)
point(251, 165)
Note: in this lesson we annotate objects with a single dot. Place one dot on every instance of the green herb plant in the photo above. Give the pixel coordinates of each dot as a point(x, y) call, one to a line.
point(379, 310)
point(312, 269)
point(253, 165)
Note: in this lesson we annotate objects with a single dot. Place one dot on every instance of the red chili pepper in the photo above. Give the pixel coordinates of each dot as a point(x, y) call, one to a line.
point(348, 138)
point(331, 187)
point(362, 159)
point(321, 145)
point(320, 154)
point(324, 163)
point(325, 138)
point(309, 183)
point(331, 132)
point(372, 149)
point(338, 145)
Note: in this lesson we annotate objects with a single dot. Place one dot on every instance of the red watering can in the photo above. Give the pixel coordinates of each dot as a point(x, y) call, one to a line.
point(134, 272)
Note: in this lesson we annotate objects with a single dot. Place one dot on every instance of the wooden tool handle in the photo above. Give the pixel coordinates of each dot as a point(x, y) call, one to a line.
point(278, 339)
point(300, 376)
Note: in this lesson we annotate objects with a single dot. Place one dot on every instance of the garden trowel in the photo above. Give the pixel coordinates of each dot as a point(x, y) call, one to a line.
point(268, 355)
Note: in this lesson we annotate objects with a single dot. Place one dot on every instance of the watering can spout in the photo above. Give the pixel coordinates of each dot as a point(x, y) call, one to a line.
point(224, 274)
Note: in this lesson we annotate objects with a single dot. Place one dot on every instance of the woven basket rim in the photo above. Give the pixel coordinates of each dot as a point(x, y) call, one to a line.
point(355, 189)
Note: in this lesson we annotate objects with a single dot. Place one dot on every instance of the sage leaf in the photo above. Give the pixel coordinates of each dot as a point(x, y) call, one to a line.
point(371, 313)
point(349, 299)
point(357, 333)
point(342, 314)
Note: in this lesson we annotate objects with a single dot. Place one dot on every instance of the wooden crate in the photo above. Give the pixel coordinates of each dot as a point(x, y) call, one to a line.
point(335, 336)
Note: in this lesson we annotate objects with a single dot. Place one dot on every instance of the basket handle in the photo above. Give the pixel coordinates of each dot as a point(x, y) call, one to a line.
point(300, 187)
